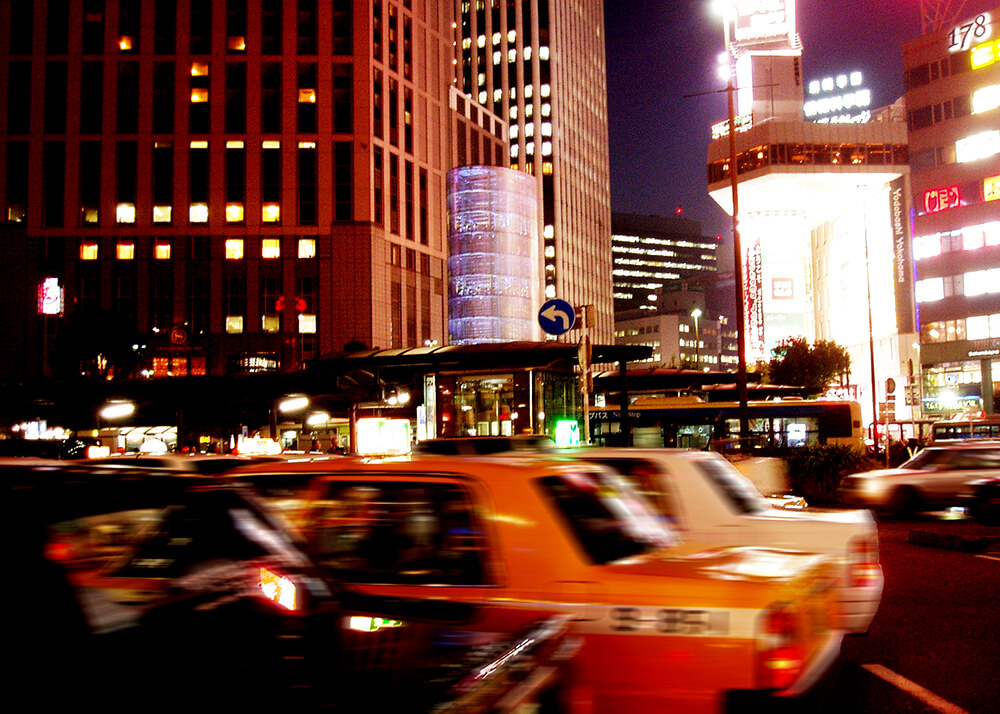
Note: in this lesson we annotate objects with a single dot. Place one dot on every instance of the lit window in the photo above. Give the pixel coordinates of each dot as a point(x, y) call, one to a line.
point(234, 213)
point(199, 95)
point(527, 53)
point(198, 144)
point(986, 99)
point(543, 52)
point(547, 128)
point(125, 250)
point(529, 91)
point(483, 96)
point(511, 55)
point(550, 251)
point(497, 96)
point(234, 324)
point(307, 324)
point(514, 129)
point(162, 250)
point(481, 41)
point(546, 166)
point(270, 248)
point(270, 144)
point(125, 43)
point(271, 213)
point(977, 327)
point(234, 143)
point(550, 291)
point(15, 213)
point(496, 38)
point(198, 213)
point(125, 213)
point(91, 214)
point(546, 90)
point(978, 146)
point(161, 214)
point(234, 249)
point(199, 69)
point(497, 57)
point(929, 290)
point(466, 43)
point(88, 251)
point(307, 145)
point(546, 148)
point(511, 35)
point(270, 323)
point(307, 96)
point(237, 44)
point(307, 248)
point(546, 109)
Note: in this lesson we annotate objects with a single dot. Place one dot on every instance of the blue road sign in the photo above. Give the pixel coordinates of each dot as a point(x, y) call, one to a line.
point(556, 316)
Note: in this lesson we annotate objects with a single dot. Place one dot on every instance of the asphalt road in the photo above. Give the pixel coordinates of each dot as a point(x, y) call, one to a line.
point(934, 645)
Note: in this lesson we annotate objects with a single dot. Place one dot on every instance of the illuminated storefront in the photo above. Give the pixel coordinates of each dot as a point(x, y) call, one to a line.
point(953, 110)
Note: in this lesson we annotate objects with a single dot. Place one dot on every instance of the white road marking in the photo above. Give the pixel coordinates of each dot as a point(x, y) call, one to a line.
point(912, 688)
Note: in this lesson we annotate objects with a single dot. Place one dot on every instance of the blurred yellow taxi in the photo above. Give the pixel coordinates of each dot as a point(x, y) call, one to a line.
point(665, 623)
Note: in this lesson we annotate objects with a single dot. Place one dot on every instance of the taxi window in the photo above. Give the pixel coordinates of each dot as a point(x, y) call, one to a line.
point(646, 478)
point(121, 562)
point(736, 490)
point(608, 519)
point(398, 533)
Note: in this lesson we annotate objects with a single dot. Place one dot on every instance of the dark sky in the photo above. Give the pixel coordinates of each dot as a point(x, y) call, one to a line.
point(660, 50)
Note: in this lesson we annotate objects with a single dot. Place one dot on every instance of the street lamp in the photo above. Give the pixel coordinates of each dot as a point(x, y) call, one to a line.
point(696, 313)
point(727, 9)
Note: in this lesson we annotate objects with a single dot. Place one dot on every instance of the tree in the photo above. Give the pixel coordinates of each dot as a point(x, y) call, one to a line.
point(814, 368)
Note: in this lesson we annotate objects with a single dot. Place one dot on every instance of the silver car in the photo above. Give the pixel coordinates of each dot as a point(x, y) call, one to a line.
point(935, 478)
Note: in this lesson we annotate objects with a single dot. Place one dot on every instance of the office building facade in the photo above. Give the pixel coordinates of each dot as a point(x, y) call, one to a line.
point(248, 184)
point(540, 65)
point(953, 113)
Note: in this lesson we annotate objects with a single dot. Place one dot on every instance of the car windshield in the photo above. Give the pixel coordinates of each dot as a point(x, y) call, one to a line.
point(925, 458)
point(608, 519)
point(736, 489)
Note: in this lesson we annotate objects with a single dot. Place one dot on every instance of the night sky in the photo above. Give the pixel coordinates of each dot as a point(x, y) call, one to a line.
point(660, 50)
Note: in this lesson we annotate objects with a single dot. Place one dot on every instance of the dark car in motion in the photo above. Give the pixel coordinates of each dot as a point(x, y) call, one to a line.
point(137, 590)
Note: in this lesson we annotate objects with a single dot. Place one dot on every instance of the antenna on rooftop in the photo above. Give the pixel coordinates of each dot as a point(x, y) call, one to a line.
point(938, 14)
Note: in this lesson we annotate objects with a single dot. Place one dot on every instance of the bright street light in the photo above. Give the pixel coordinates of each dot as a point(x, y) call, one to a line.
point(117, 410)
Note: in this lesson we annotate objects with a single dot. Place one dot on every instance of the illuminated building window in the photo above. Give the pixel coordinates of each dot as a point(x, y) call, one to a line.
point(548, 231)
point(497, 57)
point(978, 146)
point(271, 323)
point(981, 282)
point(481, 41)
point(527, 53)
point(270, 248)
point(161, 214)
point(125, 43)
point(496, 38)
point(512, 55)
point(198, 144)
point(929, 290)
point(197, 366)
point(529, 110)
point(199, 95)
point(161, 366)
point(547, 128)
point(514, 131)
point(529, 130)
point(513, 112)
point(307, 96)
point(125, 250)
point(307, 248)
point(234, 324)
point(90, 214)
point(162, 250)
point(466, 43)
point(234, 213)
point(236, 44)
point(550, 291)
point(271, 213)
point(483, 97)
point(543, 52)
point(986, 99)
point(199, 69)
point(88, 250)
point(234, 249)
point(307, 324)
point(546, 166)
point(198, 213)
point(546, 90)
point(546, 109)
point(511, 35)
point(15, 213)
point(550, 251)
point(125, 213)
point(529, 91)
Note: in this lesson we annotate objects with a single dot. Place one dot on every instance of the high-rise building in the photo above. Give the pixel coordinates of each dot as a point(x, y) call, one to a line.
point(953, 112)
point(650, 253)
point(540, 65)
point(246, 183)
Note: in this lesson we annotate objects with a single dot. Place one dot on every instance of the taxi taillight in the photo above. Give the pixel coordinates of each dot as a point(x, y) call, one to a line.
point(277, 588)
point(780, 653)
point(863, 563)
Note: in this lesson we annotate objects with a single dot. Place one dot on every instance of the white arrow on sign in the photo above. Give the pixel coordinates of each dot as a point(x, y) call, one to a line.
point(553, 313)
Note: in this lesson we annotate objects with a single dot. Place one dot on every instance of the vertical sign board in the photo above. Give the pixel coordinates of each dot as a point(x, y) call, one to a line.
point(902, 257)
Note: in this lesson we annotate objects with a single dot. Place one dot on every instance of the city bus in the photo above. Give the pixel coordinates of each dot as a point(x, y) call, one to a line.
point(965, 429)
point(690, 422)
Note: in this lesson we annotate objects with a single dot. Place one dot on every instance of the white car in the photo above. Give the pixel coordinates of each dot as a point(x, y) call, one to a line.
point(710, 501)
point(936, 477)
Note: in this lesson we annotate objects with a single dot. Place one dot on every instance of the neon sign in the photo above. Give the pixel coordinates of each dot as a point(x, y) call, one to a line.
point(743, 122)
point(991, 188)
point(838, 100)
point(985, 54)
point(964, 36)
point(941, 199)
point(50, 297)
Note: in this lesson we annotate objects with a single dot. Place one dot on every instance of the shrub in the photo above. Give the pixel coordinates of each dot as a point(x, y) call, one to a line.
point(815, 472)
